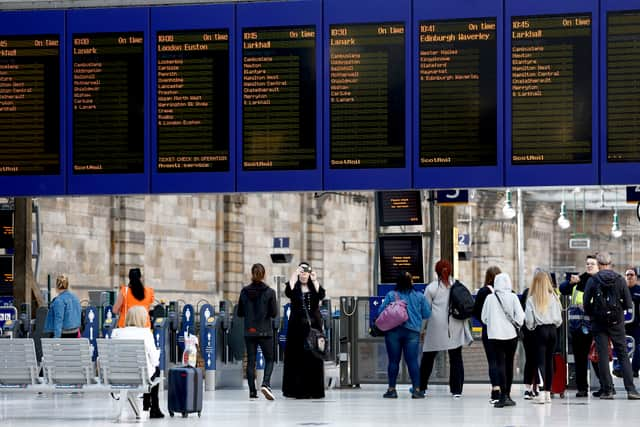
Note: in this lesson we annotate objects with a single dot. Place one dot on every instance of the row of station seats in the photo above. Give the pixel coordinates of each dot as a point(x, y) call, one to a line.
point(66, 367)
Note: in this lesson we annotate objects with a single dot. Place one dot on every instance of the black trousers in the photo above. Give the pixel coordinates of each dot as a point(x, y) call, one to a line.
point(502, 359)
point(581, 343)
point(456, 369)
point(488, 351)
point(618, 340)
point(266, 344)
point(546, 343)
point(530, 357)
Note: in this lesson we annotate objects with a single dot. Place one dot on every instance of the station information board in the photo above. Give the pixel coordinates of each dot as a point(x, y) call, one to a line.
point(30, 105)
point(458, 92)
point(192, 75)
point(623, 86)
point(7, 241)
point(551, 89)
point(6, 274)
point(108, 103)
point(279, 98)
point(399, 208)
point(367, 95)
point(401, 253)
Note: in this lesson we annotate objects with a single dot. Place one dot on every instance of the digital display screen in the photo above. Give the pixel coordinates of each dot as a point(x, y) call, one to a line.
point(401, 253)
point(108, 103)
point(30, 105)
point(6, 270)
point(193, 101)
point(279, 98)
point(623, 86)
point(399, 208)
point(367, 79)
point(7, 243)
point(551, 85)
point(458, 92)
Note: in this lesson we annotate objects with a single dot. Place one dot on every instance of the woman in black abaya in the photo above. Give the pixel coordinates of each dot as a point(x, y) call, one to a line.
point(303, 376)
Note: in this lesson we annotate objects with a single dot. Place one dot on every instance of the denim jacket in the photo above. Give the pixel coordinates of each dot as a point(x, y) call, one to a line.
point(64, 314)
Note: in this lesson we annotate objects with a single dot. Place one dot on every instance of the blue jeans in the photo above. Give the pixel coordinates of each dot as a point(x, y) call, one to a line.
point(402, 340)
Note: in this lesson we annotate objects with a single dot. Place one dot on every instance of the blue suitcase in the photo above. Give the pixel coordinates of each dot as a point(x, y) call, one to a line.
point(185, 390)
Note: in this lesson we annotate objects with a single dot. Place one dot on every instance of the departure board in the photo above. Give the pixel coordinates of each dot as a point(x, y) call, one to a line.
point(30, 105)
point(367, 96)
point(401, 253)
point(193, 101)
point(551, 89)
point(7, 242)
point(108, 103)
point(458, 92)
point(623, 86)
point(6, 274)
point(279, 98)
point(399, 208)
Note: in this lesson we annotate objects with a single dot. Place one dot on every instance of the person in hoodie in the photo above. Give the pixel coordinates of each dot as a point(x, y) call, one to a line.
point(258, 306)
point(503, 316)
point(603, 330)
point(579, 323)
point(543, 314)
point(481, 296)
point(303, 373)
point(406, 337)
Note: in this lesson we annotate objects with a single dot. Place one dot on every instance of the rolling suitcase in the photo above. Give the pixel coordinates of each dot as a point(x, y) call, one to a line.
point(185, 390)
point(559, 382)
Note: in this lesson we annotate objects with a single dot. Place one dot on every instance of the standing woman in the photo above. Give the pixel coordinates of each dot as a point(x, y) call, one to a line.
point(503, 316)
point(303, 376)
point(132, 295)
point(444, 332)
point(63, 318)
point(481, 296)
point(406, 337)
point(543, 314)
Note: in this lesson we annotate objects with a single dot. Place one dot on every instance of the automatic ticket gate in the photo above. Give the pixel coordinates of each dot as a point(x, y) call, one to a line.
point(230, 347)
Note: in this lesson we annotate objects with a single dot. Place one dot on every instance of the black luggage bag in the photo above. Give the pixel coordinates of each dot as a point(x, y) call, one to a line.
point(185, 390)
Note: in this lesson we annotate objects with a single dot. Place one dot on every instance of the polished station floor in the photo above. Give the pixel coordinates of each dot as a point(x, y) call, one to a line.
point(341, 407)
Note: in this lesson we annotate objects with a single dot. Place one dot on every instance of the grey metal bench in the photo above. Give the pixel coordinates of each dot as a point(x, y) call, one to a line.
point(67, 364)
point(123, 370)
point(18, 366)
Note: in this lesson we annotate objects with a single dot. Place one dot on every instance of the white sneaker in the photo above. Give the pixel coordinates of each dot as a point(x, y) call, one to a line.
point(457, 396)
point(540, 398)
point(547, 397)
point(266, 390)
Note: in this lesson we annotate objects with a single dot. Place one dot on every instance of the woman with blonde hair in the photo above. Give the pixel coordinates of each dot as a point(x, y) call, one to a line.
point(543, 314)
point(136, 329)
point(63, 318)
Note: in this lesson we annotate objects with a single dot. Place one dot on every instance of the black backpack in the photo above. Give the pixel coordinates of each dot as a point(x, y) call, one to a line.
point(606, 305)
point(460, 302)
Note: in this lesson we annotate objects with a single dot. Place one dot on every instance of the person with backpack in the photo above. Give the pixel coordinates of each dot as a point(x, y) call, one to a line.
point(605, 299)
point(504, 317)
point(579, 323)
point(444, 331)
point(405, 338)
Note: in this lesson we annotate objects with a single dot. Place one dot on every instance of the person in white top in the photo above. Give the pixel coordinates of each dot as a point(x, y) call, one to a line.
point(135, 330)
point(543, 314)
point(503, 316)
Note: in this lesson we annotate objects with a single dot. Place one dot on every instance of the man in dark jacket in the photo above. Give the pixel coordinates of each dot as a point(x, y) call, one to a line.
point(605, 299)
point(258, 305)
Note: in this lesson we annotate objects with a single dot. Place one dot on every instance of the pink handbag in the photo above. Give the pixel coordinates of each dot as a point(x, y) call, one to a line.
point(394, 315)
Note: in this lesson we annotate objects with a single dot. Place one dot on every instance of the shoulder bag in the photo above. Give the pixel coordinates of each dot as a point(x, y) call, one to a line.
point(518, 329)
point(315, 341)
point(394, 315)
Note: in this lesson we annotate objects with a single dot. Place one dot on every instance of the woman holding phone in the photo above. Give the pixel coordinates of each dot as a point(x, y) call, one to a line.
point(303, 376)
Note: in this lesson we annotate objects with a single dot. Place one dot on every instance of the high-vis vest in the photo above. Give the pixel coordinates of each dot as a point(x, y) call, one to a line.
point(577, 318)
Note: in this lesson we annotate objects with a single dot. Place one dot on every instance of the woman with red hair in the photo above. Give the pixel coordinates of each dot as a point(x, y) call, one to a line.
point(444, 332)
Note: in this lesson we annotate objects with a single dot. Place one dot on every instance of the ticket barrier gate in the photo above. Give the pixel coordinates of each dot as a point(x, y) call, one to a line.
point(229, 348)
point(207, 323)
point(9, 317)
point(173, 326)
point(160, 328)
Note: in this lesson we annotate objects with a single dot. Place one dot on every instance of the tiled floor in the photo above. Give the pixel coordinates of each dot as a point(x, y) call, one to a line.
point(352, 407)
